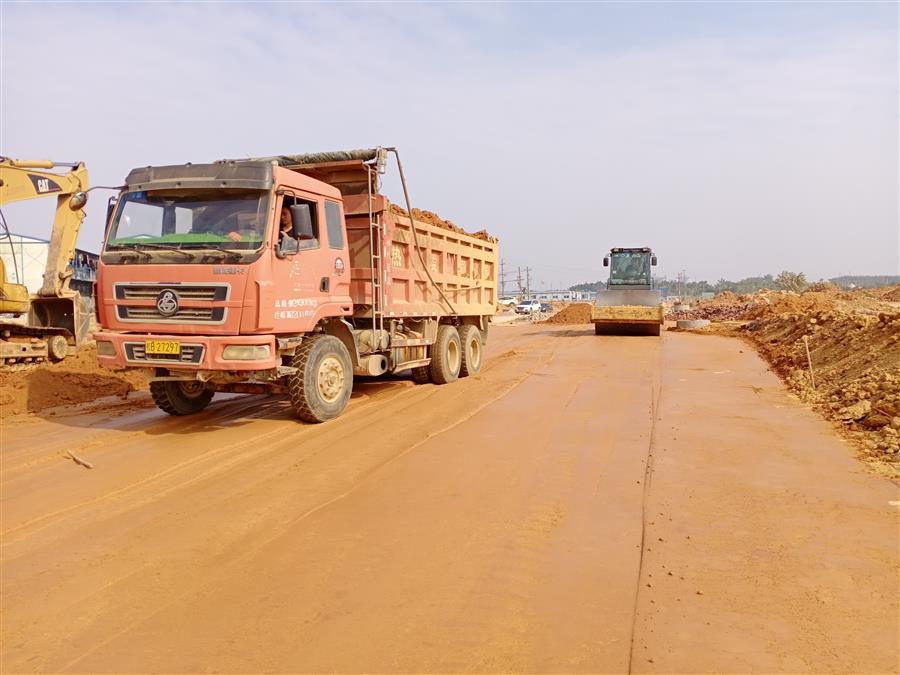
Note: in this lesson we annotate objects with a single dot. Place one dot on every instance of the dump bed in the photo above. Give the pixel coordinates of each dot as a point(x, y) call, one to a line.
point(462, 266)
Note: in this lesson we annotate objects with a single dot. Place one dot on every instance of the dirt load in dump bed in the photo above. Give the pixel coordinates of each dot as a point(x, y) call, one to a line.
point(435, 219)
point(76, 379)
point(854, 349)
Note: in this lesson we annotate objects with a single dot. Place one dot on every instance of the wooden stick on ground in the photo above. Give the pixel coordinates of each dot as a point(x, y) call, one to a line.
point(812, 375)
point(78, 460)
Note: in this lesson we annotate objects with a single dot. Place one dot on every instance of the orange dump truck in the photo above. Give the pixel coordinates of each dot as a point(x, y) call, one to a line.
point(286, 275)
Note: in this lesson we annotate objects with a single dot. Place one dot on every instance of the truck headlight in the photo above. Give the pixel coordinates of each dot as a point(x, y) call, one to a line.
point(105, 348)
point(245, 352)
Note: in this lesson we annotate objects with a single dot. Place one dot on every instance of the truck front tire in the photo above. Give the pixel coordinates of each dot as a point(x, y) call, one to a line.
point(472, 350)
point(181, 398)
point(446, 355)
point(321, 387)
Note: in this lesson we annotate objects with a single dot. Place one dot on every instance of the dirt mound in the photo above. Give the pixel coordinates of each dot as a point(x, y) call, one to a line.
point(855, 358)
point(434, 219)
point(577, 312)
point(891, 294)
point(823, 287)
point(77, 379)
point(854, 347)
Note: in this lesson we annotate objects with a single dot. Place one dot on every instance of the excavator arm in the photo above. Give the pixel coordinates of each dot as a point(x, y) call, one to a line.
point(21, 180)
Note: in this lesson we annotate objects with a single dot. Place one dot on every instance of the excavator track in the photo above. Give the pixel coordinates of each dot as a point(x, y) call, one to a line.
point(24, 346)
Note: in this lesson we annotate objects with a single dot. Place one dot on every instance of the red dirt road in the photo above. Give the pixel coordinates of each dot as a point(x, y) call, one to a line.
point(491, 525)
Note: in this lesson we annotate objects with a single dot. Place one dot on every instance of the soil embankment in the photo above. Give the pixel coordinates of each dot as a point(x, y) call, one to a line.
point(852, 370)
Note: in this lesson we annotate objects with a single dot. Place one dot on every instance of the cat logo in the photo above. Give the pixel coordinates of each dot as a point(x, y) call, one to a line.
point(44, 185)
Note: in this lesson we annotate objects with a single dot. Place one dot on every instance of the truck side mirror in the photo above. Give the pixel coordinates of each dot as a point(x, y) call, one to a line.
point(653, 260)
point(302, 221)
point(606, 262)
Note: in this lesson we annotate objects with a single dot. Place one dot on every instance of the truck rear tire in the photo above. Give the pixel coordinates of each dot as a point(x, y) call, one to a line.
point(472, 350)
point(181, 398)
point(321, 387)
point(446, 355)
point(421, 375)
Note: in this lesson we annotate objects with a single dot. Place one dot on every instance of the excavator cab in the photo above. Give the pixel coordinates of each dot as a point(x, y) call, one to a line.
point(13, 297)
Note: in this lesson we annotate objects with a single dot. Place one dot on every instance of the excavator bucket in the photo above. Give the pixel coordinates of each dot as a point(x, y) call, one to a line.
point(69, 316)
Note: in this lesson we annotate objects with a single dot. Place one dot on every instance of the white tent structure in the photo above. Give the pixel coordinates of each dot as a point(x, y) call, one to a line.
point(25, 259)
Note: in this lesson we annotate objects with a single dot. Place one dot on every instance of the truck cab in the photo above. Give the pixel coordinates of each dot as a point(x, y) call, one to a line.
point(198, 251)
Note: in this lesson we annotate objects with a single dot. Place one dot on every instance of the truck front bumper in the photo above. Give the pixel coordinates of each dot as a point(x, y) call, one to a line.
point(194, 352)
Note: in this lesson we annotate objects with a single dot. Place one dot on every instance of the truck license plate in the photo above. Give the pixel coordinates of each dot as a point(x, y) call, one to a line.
point(162, 347)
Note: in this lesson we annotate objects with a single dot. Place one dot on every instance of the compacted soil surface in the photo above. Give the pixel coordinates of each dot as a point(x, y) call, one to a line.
point(584, 504)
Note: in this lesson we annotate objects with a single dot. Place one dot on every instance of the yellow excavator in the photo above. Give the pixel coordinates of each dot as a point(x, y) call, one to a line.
point(58, 318)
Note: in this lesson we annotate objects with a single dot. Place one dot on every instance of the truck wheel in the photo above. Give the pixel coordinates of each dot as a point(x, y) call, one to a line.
point(320, 389)
point(421, 375)
point(181, 398)
point(470, 337)
point(446, 355)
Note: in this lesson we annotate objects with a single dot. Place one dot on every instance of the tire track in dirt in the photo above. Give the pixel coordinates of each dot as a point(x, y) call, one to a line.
point(250, 548)
point(357, 417)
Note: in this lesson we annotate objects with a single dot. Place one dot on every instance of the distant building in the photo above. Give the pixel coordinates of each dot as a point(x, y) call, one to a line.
point(563, 295)
point(25, 259)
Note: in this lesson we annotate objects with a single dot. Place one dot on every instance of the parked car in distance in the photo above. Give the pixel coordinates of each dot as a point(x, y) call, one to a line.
point(507, 302)
point(546, 307)
point(528, 307)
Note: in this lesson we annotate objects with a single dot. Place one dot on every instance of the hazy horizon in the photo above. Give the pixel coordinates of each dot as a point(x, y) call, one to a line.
point(735, 139)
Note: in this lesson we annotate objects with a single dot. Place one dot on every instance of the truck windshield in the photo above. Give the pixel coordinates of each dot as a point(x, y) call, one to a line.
point(230, 223)
point(629, 268)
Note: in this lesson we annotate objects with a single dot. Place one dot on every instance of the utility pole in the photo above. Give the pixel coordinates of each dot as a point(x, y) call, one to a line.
point(502, 278)
point(528, 281)
point(519, 280)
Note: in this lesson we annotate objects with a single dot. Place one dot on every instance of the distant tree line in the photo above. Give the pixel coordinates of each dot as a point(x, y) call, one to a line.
point(790, 281)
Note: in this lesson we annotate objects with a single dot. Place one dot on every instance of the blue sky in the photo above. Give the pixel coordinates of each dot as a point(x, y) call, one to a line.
point(735, 138)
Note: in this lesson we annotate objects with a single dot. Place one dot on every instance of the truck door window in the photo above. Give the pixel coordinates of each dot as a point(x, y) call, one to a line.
point(309, 238)
point(335, 225)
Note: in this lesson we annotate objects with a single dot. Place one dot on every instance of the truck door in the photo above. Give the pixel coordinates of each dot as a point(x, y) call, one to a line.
point(301, 277)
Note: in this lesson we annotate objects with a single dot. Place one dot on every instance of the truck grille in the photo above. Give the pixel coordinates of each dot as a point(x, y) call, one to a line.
point(187, 293)
point(183, 315)
point(134, 351)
